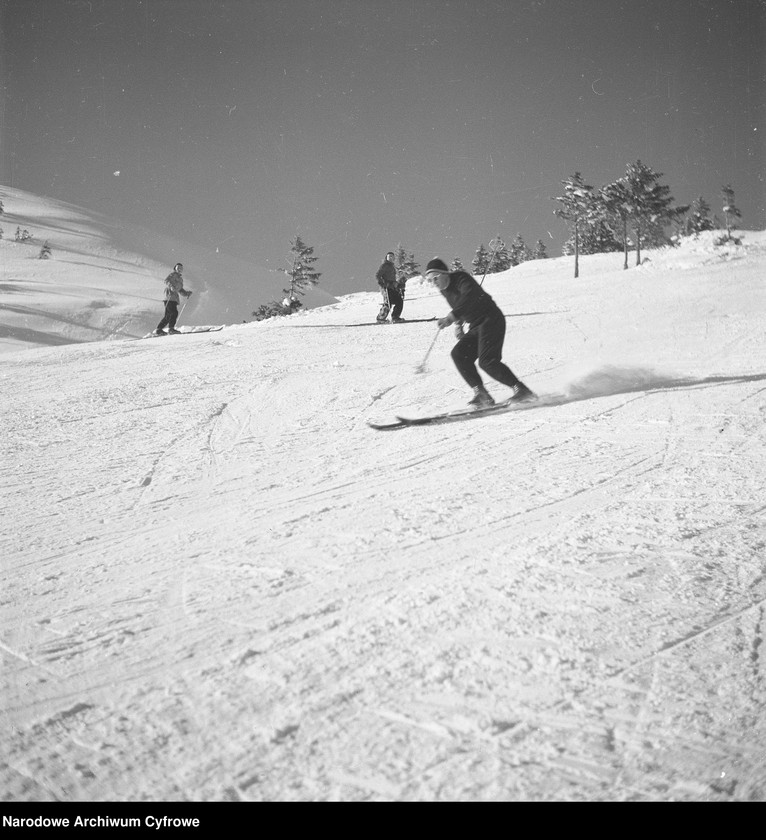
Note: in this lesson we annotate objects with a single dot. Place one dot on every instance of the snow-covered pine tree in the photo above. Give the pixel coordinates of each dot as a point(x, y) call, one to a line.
point(698, 219)
point(301, 272)
point(45, 251)
point(730, 211)
point(518, 252)
point(456, 265)
point(400, 259)
point(596, 237)
point(502, 260)
point(613, 204)
point(272, 309)
point(577, 202)
point(649, 200)
point(540, 253)
point(481, 260)
point(406, 265)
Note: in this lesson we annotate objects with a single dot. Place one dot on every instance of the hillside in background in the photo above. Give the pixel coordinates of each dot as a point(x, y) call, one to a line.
point(104, 279)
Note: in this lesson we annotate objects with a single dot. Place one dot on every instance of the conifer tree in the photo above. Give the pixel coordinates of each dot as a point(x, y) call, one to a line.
point(518, 252)
point(301, 272)
point(540, 253)
point(577, 202)
point(45, 251)
point(699, 217)
point(502, 260)
point(456, 265)
point(406, 265)
point(481, 261)
point(596, 237)
point(614, 206)
point(730, 211)
point(649, 200)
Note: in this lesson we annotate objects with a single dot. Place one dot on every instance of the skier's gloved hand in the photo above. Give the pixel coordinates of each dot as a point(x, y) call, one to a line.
point(459, 330)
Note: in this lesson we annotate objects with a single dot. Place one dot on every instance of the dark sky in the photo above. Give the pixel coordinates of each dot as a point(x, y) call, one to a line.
point(362, 124)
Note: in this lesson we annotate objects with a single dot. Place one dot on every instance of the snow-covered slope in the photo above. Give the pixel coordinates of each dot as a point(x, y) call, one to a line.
point(104, 278)
point(219, 583)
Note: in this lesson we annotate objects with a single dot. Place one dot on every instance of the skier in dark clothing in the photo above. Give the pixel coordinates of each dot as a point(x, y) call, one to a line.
point(484, 338)
point(392, 297)
point(174, 287)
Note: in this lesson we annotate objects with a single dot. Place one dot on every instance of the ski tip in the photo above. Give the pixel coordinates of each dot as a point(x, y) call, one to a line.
point(382, 427)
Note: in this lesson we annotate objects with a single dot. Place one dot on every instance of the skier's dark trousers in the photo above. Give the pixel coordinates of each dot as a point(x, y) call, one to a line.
point(484, 341)
point(171, 315)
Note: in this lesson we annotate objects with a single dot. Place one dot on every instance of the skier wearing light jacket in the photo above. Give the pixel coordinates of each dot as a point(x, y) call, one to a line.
point(174, 287)
point(484, 339)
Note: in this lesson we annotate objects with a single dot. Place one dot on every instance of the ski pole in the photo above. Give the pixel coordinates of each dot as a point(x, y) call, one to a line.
point(421, 368)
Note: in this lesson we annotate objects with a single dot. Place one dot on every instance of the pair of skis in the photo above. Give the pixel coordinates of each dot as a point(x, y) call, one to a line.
point(510, 404)
point(189, 331)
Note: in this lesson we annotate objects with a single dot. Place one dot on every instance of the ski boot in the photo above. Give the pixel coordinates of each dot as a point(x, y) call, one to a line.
point(522, 394)
point(481, 399)
point(173, 331)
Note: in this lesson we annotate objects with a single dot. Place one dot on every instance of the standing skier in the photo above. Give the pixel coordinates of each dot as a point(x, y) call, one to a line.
point(174, 287)
point(392, 297)
point(484, 339)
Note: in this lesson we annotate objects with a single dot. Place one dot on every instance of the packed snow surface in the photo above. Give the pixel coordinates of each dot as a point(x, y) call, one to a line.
point(219, 583)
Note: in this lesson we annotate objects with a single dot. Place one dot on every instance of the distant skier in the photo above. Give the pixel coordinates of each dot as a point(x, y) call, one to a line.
point(174, 287)
point(392, 297)
point(484, 339)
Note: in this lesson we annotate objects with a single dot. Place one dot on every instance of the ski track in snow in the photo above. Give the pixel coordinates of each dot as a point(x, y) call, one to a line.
point(220, 584)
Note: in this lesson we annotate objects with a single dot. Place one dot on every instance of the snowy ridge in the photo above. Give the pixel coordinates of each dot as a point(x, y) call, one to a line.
point(104, 279)
point(220, 584)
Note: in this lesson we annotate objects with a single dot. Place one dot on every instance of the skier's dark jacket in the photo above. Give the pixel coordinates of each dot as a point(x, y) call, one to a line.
point(468, 300)
point(386, 276)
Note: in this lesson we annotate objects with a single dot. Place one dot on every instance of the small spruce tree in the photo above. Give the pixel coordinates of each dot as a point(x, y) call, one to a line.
point(730, 211)
point(301, 271)
point(456, 265)
point(518, 252)
point(540, 253)
point(480, 262)
point(577, 203)
point(698, 219)
point(502, 261)
point(649, 201)
point(45, 251)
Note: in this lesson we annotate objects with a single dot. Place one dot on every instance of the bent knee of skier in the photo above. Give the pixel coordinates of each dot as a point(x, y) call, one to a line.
point(460, 353)
point(490, 363)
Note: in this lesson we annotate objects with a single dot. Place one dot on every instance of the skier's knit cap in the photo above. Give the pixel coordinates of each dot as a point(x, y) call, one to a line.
point(437, 265)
